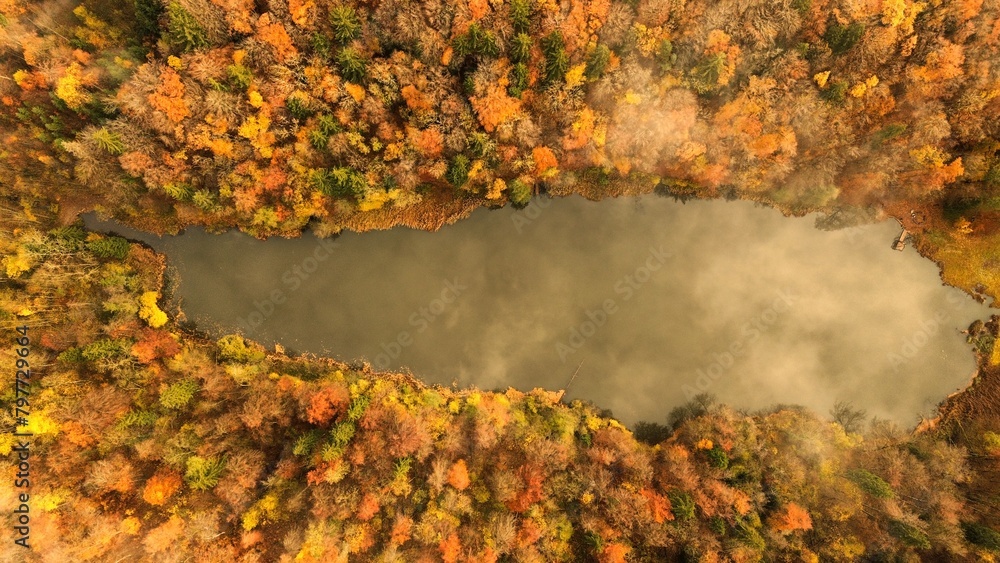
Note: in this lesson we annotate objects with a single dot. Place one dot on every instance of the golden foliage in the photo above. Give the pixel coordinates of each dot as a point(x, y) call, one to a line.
point(496, 107)
point(273, 33)
point(169, 96)
point(69, 87)
point(303, 12)
point(149, 311)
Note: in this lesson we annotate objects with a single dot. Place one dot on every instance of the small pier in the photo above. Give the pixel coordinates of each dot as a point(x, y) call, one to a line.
point(900, 243)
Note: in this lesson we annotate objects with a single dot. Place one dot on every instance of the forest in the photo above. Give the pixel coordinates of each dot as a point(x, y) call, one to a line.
point(276, 116)
point(156, 443)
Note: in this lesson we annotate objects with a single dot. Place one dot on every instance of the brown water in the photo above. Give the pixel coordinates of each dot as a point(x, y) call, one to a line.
point(639, 302)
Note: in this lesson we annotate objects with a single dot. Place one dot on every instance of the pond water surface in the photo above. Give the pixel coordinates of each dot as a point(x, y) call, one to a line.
point(634, 304)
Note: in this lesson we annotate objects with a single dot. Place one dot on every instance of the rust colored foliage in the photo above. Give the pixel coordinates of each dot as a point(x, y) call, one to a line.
point(792, 518)
point(614, 553)
point(451, 548)
point(77, 434)
point(161, 487)
point(458, 475)
point(274, 34)
point(169, 96)
point(155, 344)
point(532, 478)
point(415, 99)
point(430, 142)
point(544, 159)
point(401, 530)
point(328, 403)
point(368, 507)
point(659, 506)
point(496, 107)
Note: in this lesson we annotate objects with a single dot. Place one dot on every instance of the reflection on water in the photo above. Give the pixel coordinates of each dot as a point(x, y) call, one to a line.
point(639, 302)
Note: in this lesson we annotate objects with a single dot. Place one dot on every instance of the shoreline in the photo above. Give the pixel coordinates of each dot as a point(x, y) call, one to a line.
point(170, 280)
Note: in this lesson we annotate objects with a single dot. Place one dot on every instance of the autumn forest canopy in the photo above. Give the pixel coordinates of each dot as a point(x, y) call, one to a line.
point(155, 443)
point(275, 116)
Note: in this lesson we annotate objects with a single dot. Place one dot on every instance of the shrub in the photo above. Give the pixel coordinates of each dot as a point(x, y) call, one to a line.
point(597, 62)
point(203, 473)
point(233, 348)
point(518, 80)
point(458, 171)
point(681, 504)
point(352, 65)
point(477, 41)
point(870, 483)
point(841, 38)
point(183, 29)
point(520, 15)
point(106, 349)
point(115, 248)
point(717, 458)
point(556, 59)
point(346, 26)
point(982, 536)
point(909, 534)
point(178, 395)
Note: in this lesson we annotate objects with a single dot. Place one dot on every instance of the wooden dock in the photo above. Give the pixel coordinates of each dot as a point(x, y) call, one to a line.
point(900, 243)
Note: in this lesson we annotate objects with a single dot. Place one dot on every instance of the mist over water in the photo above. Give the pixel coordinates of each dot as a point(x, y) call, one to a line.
point(645, 300)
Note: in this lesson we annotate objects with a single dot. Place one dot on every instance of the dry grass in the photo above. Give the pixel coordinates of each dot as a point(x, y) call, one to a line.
point(971, 263)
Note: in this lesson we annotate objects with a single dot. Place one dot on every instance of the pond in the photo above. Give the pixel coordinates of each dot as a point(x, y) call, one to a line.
point(635, 304)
